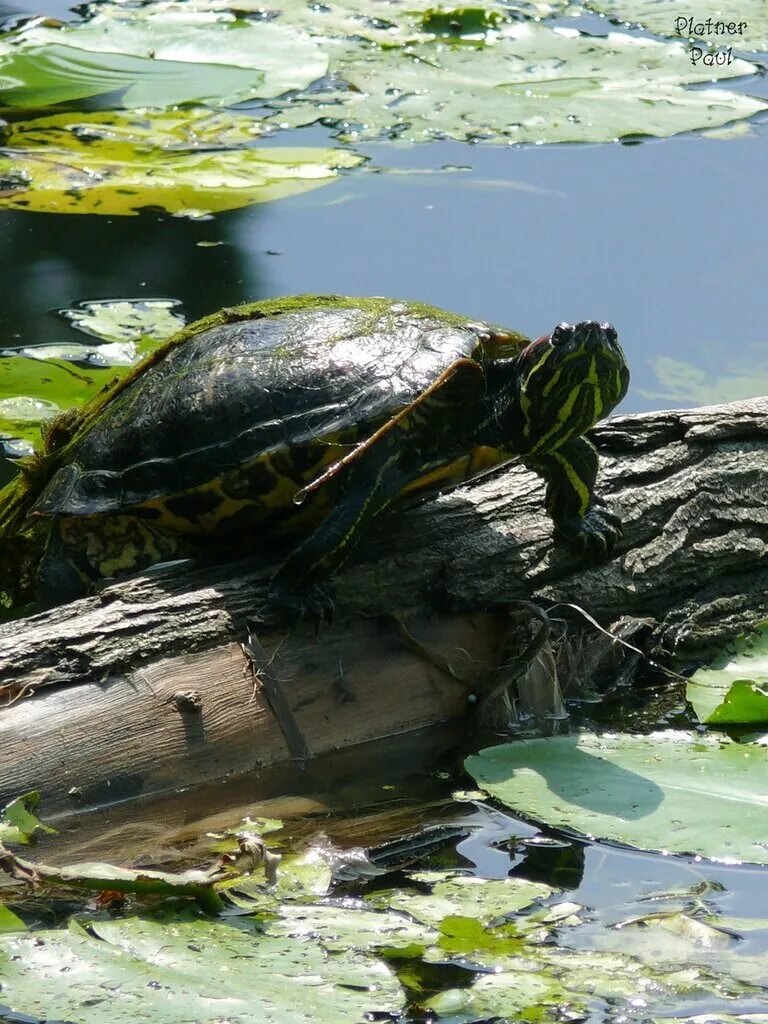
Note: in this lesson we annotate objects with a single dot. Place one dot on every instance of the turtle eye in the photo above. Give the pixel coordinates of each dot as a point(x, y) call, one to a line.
point(562, 334)
point(610, 332)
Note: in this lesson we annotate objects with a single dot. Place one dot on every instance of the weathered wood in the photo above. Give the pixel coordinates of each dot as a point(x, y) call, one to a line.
point(691, 487)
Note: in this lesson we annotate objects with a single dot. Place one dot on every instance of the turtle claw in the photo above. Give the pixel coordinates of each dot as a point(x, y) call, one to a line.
point(595, 534)
point(315, 602)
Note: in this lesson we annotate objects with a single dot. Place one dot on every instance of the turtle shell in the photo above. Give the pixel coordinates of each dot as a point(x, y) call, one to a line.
point(240, 392)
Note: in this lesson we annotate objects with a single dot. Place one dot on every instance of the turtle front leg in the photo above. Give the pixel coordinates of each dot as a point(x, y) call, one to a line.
point(301, 585)
point(578, 513)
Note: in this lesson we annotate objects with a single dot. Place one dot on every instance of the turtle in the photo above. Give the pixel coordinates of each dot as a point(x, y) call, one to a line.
point(301, 420)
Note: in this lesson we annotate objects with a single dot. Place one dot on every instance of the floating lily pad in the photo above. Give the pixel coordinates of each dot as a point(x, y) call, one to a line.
point(734, 688)
point(189, 970)
point(455, 895)
point(38, 382)
point(34, 390)
point(123, 321)
point(344, 927)
point(156, 57)
point(56, 167)
point(661, 17)
point(671, 791)
point(534, 84)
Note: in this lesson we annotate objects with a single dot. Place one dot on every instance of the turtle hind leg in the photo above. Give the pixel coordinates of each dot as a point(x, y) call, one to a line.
point(64, 573)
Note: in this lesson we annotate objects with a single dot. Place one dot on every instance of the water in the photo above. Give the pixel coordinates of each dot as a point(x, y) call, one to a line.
point(665, 239)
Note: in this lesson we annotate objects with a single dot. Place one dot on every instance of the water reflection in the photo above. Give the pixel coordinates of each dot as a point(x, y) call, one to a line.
point(51, 260)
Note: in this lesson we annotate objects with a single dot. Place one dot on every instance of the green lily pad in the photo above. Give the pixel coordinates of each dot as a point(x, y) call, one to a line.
point(123, 321)
point(526, 994)
point(9, 922)
point(189, 970)
point(339, 928)
point(39, 382)
point(156, 57)
point(734, 688)
point(54, 167)
point(671, 791)
point(380, 22)
point(18, 819)
point(456, 895)
point(33, 391)
point(661, 17)
point(535, 84)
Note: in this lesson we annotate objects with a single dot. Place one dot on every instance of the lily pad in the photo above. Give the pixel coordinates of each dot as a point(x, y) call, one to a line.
point(9, 922)
point(55, 167)
point(340, 927)
point(38, 382)
point(688, 18)
point(33, 391)
point(534, 84)
point(734, 689)
point(455, 895)
point(672, 791)
point(124, 321)
point(156, 57)
point(18, 820)
point(189, 970)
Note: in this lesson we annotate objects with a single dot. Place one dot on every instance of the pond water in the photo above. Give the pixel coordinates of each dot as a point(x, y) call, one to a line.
point(664, 238)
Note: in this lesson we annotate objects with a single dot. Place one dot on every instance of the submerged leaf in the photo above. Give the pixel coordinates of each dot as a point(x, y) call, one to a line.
point(671, 791)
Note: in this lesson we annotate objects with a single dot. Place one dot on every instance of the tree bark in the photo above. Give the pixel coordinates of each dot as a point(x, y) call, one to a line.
point(146, 682)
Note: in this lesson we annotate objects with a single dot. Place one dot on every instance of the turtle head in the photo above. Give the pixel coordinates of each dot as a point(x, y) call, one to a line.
point(567, 381)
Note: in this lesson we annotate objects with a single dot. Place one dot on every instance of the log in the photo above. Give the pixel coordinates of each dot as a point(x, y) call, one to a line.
point(145, 686)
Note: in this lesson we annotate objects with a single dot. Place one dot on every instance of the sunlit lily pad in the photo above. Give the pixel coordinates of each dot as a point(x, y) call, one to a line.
point(672, 791)
point(34, 390)
point(734, 689)
point(18, 819)
point(38, 382)
point(688, 18)
point(344, 927)
point(151, 57)
point(189, 970)
point(55, 168)
point(123, 321)
point(534, 84)
point(456, 895)
point(387, 24)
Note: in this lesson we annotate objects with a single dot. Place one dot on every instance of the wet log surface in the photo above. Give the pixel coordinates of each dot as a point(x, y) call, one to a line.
point(146, 684)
